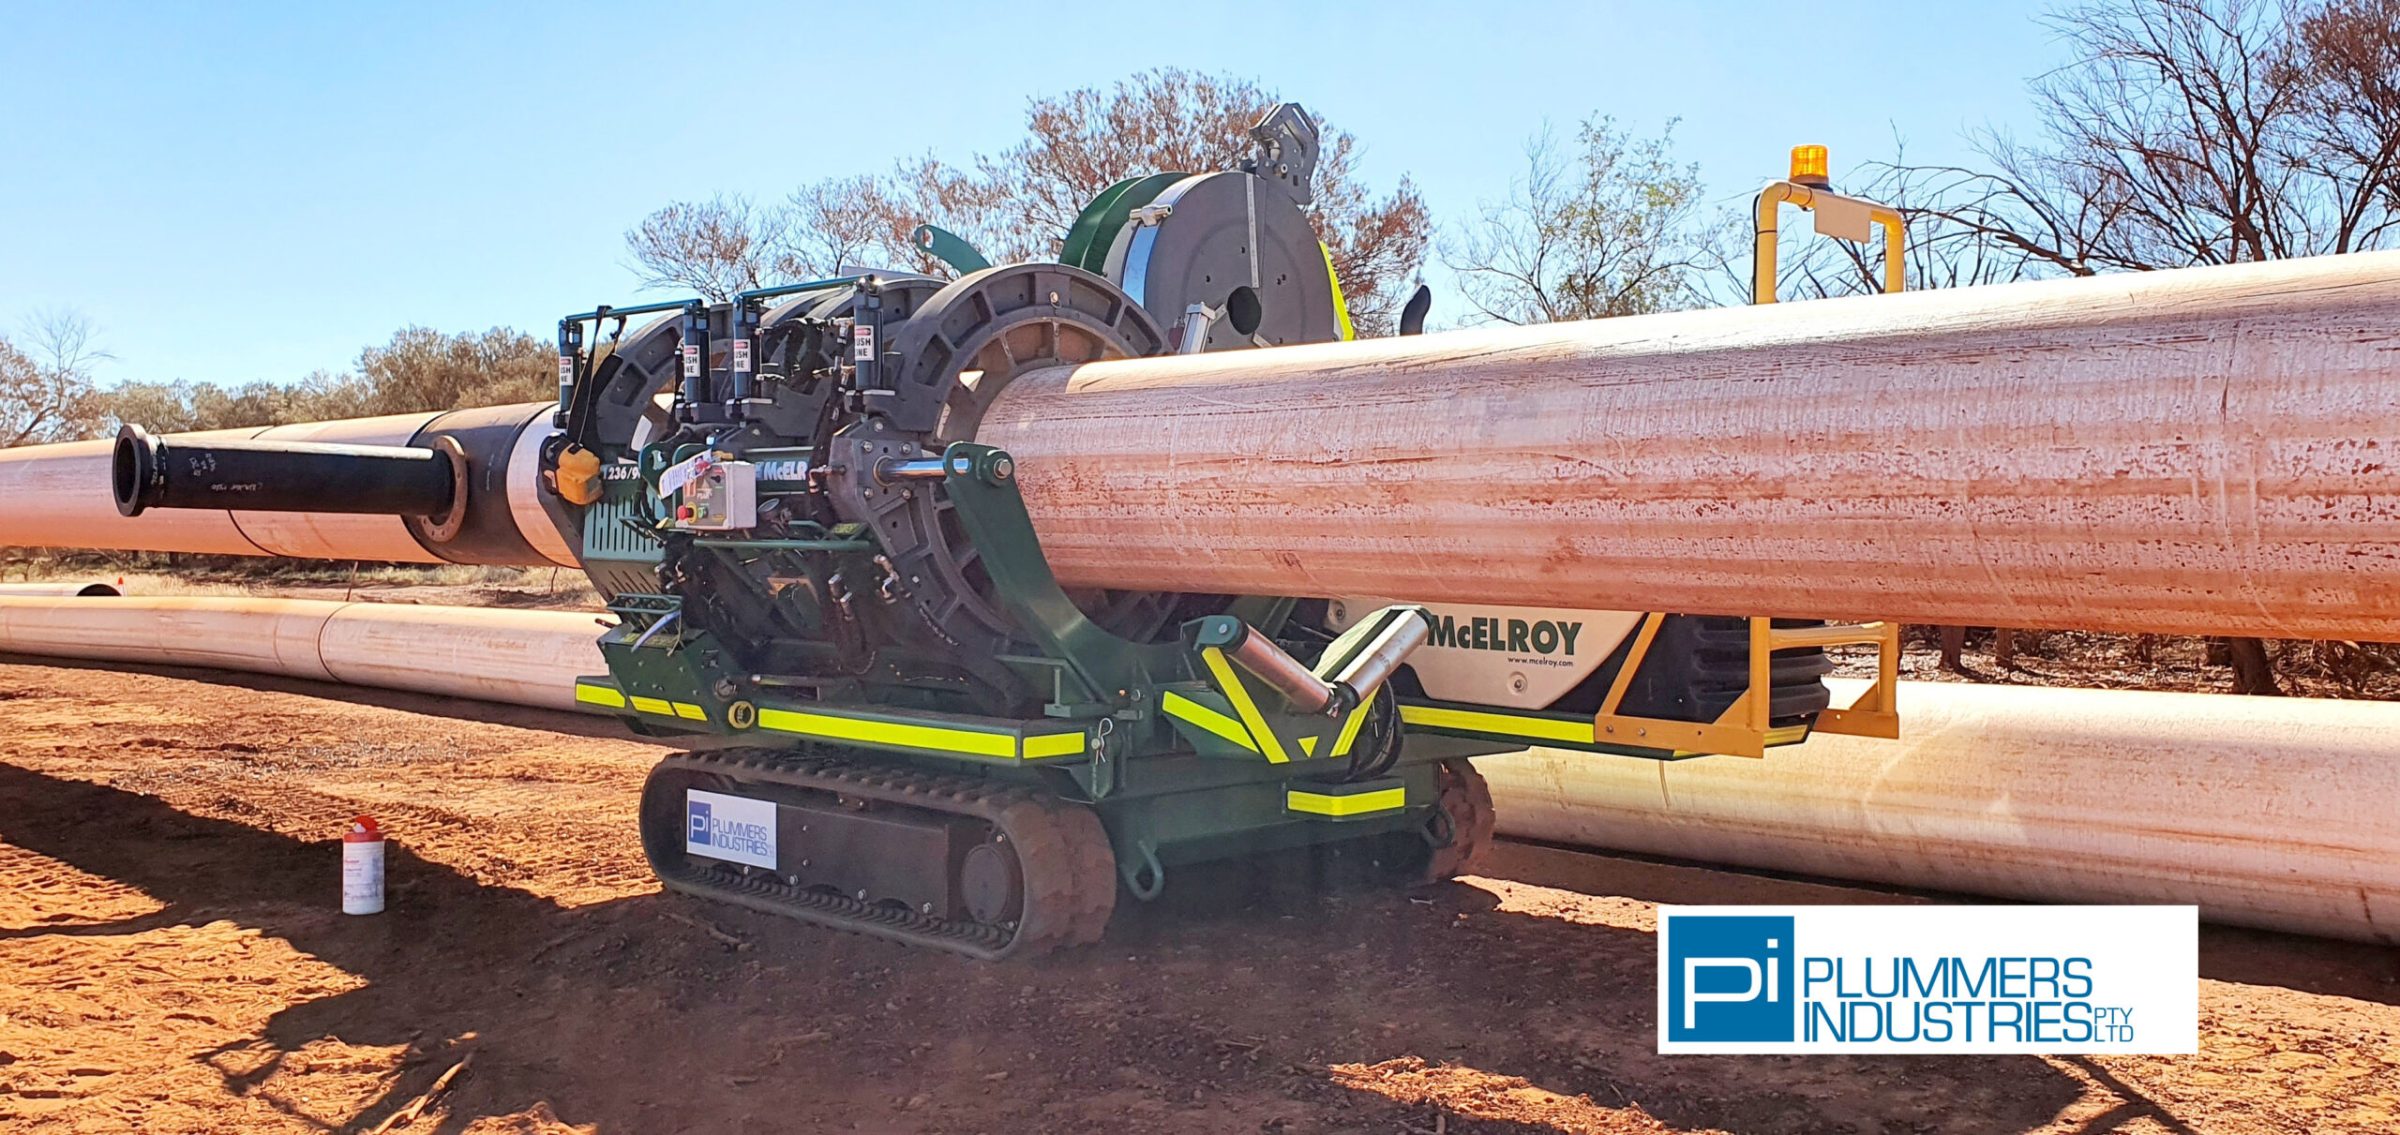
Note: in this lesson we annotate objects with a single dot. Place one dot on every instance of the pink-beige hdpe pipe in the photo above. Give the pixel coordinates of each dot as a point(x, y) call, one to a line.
point(2272, 812)
point(2204, 451)
point(516, 657)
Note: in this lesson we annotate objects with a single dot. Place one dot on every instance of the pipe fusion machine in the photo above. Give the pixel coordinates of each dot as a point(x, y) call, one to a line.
point(918, 732)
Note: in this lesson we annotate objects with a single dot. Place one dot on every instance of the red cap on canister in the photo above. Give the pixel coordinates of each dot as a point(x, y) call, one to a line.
point(363, 830)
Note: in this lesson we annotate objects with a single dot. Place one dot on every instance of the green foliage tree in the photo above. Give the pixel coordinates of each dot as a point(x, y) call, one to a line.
point(424, 369)
point(181, 406)
point(1605, 226)
point(419, 369)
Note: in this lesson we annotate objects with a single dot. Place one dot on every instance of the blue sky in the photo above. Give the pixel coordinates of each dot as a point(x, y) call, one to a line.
point(234, 192)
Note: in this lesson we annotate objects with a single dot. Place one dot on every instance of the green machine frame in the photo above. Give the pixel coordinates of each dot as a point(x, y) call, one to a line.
point(1185, 755)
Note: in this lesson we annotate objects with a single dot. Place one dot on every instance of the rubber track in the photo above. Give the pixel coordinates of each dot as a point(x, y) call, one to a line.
point(1069, 870)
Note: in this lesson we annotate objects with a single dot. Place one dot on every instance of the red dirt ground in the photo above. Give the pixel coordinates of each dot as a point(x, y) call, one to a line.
point(174, 961)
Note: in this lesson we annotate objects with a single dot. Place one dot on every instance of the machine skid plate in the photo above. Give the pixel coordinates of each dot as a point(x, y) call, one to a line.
point(1060, 852)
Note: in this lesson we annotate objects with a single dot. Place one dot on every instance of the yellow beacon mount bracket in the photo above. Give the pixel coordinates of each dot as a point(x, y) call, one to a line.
point(1838, 216)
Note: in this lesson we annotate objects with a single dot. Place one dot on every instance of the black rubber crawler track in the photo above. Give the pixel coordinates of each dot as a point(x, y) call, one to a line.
point(1069, 870)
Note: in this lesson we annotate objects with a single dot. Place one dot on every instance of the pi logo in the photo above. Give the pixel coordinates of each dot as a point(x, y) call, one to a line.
point(1729, 978)
point(699, 823)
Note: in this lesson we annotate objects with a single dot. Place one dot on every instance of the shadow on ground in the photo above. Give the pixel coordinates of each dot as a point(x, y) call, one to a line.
point(1238, 1004)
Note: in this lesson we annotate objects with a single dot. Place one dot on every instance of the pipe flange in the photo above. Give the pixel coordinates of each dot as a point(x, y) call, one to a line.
point(133, 469)
point(445, 527)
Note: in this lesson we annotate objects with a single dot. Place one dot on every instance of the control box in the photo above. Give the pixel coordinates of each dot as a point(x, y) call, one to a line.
point(717, 496)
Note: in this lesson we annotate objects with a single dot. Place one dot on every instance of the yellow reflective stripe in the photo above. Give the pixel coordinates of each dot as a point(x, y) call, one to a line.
point(1053, 744)
point(686, 709)
point(1352, 804)
point(1308, 746)
point(653, 705)
point(599, 695)
point(1225, 727)
point(1341, 307)
point(1780, 735)
point(1268, 744)
point(1349, 733)
point(901, 734)
point(1503, 724)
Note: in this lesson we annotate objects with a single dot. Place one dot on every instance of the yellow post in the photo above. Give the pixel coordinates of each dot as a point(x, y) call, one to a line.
point(1762, 250)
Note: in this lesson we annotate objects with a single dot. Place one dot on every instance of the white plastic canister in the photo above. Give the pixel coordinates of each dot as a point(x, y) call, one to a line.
point(362, 867)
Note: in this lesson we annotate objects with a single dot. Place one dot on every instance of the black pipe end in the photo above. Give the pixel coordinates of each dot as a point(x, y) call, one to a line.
point(133, 470)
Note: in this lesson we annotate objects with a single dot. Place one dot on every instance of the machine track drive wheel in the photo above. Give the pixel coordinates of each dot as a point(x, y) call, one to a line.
point(1460, 828)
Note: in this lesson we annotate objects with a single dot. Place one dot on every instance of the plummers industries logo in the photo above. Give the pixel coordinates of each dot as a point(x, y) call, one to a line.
point(1929, 979)
point(735, 829)
point(1729, 978)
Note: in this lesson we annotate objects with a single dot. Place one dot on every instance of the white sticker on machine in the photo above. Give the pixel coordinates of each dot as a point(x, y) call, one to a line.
point(730, 828)
point(863, 343)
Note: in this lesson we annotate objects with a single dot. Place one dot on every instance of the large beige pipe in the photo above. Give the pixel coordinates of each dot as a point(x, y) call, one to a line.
point(63, 588)
point(2209, 451)
point(2272, 812)
point(57, 497)
point(2206, 451)
point(519, 657)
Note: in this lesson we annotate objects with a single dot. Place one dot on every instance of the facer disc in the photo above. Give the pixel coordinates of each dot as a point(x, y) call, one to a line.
point(1207, 237)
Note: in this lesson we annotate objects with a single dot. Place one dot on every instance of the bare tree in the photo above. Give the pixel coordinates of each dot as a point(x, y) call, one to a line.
point(2199, 132)
point(2202, 132)
point(714, 248)
point(1938, 251)
point(1606, 229)
point(46, 388)
point(847, 222)
point(1018, 204)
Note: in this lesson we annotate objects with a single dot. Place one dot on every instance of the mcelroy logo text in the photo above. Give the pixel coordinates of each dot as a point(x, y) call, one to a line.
point(1512, 636)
